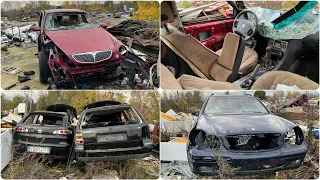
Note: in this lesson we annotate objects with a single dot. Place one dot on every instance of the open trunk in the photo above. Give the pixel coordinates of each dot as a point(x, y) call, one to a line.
point(113, 128)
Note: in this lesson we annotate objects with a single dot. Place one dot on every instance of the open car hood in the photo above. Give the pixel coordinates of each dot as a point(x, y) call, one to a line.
point(291, 24)
point(62, 108)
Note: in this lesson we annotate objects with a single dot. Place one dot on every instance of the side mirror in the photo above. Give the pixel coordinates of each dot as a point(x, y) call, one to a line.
point(195, 113)
point(35, 28)
point(103, 25)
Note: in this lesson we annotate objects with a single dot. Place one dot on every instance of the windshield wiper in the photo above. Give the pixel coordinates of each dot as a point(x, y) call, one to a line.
point(254, 112)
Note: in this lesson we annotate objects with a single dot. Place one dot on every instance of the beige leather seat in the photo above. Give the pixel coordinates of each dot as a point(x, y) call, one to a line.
point(200, 58)
point(270, 80)
point(249, 60)
point(267, 81)
point(187, 82)
point(204, 62)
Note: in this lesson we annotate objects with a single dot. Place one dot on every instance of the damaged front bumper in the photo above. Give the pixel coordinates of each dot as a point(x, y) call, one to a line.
point(114, 154)
point(204, 162)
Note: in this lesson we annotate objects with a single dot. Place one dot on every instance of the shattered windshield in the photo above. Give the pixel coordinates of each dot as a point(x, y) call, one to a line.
point(67, 21)
point(303, 22)
point(234, 105)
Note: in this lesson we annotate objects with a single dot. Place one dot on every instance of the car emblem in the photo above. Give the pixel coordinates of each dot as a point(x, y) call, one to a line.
point(253, 129)
point(243, 26)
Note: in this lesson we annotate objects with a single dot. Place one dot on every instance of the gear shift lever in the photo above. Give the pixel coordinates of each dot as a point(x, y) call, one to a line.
point(248, 82)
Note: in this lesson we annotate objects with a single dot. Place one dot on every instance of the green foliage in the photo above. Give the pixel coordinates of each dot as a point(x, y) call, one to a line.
point(147, 11)
point(260, 94)
point(182, 101)
point(185, 4)
point(147, 102)
point(11, 104)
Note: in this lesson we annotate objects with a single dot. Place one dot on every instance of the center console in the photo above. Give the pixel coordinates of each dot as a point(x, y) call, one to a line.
point(275, 54)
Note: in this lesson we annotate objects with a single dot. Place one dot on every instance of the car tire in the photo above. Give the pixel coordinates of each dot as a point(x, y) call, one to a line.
point(44, 67)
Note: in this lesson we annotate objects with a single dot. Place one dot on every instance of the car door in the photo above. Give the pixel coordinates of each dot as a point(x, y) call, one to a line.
point(210, 29)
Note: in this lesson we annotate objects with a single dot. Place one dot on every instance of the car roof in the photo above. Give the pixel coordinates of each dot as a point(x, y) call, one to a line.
point(48, 112)
point(107, 107)
point(63, 10)
point(101, 104)
point(244, 96)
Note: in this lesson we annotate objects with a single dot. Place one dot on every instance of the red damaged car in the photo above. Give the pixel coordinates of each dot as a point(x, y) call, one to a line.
point(73, 45)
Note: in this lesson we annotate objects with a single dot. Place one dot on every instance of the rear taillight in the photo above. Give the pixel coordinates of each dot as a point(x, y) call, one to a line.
point(62, 131)
point(22, 129)
point(79, 138)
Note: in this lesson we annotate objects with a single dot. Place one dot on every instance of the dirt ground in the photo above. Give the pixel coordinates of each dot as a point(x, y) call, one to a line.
point(31, 167)
point(24, 58)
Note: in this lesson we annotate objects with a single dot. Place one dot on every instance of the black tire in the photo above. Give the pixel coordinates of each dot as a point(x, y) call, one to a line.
point(44, 67)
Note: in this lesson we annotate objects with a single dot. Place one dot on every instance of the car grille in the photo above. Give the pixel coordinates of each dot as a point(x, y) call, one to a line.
point(90, 57)
point(252, 142)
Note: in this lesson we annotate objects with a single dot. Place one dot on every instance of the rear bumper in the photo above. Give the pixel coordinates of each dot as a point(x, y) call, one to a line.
point(247, 163)
point(56, 151)
point(114, 154)
point(113, 158)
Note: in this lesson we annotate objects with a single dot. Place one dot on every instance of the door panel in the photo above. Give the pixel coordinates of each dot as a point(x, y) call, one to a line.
point(210, 34)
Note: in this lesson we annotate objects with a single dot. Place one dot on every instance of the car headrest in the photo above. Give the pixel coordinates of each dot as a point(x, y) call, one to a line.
point(167, 14)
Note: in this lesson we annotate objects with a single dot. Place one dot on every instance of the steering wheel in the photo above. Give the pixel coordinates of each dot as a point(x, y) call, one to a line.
point(243, 26)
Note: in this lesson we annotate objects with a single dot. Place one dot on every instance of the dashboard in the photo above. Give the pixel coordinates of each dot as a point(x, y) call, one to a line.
point(278, 47)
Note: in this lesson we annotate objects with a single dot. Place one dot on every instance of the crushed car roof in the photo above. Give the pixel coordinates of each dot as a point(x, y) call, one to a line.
point(64, 10)
point(101, 104)
point(48, 113)
point(61, 108)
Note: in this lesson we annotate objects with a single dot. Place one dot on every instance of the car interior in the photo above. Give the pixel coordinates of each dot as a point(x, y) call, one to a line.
point(114, 117)
point(246, 60)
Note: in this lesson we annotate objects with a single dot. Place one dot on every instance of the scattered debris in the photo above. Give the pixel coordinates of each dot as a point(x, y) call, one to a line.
point(28, 73)
point(25, 88)
point(204, 12)
point(22, 79)
point(11, 70)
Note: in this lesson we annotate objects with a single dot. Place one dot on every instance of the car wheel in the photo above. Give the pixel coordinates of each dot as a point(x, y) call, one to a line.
point(43, 67)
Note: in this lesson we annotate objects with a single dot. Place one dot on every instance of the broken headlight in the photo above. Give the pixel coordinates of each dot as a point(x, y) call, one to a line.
point(123, 51)
point(294, 137)
point(290, 138)
point(202, 140)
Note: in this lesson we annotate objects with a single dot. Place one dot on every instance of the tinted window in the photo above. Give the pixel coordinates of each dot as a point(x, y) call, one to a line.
point(234, 105)
point(44, 120)
point(111, 117)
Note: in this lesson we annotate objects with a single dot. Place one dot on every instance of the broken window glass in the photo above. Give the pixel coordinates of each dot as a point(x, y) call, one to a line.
point(304, 22)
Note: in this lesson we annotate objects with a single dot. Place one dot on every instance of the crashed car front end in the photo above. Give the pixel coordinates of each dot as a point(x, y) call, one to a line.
point(249, 153)
point(87, 64)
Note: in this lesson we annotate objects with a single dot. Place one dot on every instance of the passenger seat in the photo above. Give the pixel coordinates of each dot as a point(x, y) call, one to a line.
point(187, 82)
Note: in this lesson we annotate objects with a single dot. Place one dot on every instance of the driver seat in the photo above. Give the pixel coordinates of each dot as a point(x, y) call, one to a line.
point(204, 62)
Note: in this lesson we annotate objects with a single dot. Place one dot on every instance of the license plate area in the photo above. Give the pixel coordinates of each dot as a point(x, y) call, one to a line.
point(111, 137)
point(38, 149)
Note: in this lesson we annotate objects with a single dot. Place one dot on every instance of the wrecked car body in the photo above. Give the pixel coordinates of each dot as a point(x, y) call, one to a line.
point(97, 51)
point(194, 50)
point(242, 131)
point(47, 132)
point(109, 130)
point(73, 48)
